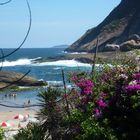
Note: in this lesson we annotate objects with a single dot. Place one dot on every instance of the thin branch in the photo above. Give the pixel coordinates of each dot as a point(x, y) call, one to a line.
point(14, 82)
point(64, 83)
point(65, 92)
point(24, 106)
point(3, 3)
point(95, 56)
point(29, 28)
point(2, 59)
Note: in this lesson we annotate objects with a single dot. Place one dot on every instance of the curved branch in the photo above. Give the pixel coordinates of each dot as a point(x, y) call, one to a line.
point(3, 3)
point(29, 28)
point(2, 59)
point(14, 82)
point(34, 105)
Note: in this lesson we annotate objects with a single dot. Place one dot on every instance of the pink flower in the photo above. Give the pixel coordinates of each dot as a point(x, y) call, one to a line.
point(101, 103)
point(98, 113)
point(86, 86)
point(65, 95)
point(137, 75)
point(133, 88)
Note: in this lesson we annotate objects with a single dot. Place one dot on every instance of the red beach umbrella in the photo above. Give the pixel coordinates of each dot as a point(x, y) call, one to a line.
point(19, 116)
point(5, 124)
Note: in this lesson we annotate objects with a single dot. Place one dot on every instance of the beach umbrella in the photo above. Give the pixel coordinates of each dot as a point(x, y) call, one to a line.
point(19, 116)
point(5, 124)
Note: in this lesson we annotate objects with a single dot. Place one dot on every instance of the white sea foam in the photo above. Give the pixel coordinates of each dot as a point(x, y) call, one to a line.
point(75, 52)
point(64, 63)
point(35, 59)
point(57, 68)
point(18, 62)
point(58, 64)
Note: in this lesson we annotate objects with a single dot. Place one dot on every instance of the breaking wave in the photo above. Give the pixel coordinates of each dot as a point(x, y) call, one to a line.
point(34, 62)
point(19, 62)
point(64, 63)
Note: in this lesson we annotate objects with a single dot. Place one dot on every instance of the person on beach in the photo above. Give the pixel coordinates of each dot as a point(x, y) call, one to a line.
point(29, 102)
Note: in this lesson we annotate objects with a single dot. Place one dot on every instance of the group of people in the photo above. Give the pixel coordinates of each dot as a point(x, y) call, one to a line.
point(11, 95)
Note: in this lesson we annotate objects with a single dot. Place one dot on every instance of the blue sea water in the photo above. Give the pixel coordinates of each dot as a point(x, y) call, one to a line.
point(27, 59)
point(23, 60)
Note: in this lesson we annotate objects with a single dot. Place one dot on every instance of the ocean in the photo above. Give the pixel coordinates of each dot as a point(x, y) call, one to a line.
point(27, 59)
point(37, 60)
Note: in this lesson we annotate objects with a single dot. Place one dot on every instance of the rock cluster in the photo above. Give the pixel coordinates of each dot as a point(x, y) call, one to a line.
point(8, 78)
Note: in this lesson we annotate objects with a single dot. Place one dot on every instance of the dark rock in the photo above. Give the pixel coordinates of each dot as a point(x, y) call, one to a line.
point(134, 37)
point(84, 60)
point(112, 47)
point(130, 45)
point(117, 27)
point(7, 78)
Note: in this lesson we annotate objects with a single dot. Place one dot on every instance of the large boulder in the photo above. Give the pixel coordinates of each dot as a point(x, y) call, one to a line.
point(112, 47)
point(132, 43)
point(13, 78)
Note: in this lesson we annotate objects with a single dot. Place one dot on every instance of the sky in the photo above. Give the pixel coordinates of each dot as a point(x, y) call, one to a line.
point(54, 22)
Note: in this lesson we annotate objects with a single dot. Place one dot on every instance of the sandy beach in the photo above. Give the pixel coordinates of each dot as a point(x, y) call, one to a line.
point(16, 124)
point(9, 115)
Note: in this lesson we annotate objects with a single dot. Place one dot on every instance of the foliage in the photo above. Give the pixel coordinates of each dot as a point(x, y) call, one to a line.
point(51, 113)
point(1, 134)
point(101, 106)
point(31, 132)
point(111, 111)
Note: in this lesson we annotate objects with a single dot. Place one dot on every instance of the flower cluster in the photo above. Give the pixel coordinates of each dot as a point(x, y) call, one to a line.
point(86, 86)
point(101, 103)
point(134, 86)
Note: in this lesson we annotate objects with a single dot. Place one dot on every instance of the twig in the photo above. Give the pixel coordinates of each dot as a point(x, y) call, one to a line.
point(3, 3)
point(24, 106)
point(2, 59)
point(95, 56)
point(65, 92)
point(29, 28)
point(14, 82)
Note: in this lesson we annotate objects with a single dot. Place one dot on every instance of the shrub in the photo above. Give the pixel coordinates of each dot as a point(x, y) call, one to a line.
point(31, 132)
point(1, 134)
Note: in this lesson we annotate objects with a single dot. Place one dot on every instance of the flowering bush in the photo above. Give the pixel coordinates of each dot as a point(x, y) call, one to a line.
point(110, 104)
point(105, 106)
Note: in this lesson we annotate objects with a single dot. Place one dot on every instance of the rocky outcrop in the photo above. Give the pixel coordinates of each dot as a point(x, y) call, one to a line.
point(117, 28)
point(112, 47)
point(7, 78)
point(132, 43)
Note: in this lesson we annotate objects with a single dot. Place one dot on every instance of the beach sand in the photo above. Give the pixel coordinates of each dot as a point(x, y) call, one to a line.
point(9, 115)
point(15, 124)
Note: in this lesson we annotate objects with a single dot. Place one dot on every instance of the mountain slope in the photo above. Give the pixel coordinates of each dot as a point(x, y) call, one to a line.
point(117, 27)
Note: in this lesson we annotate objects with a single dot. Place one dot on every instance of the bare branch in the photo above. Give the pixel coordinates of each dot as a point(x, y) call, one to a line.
point(3, 3)
point(14, 82)
point(29, 28)
point(65, 90)
point(2, 59)
point(95, 56)
point(23, 106)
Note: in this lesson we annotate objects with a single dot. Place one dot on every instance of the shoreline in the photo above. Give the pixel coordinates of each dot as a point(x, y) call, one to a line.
point(88, 57)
